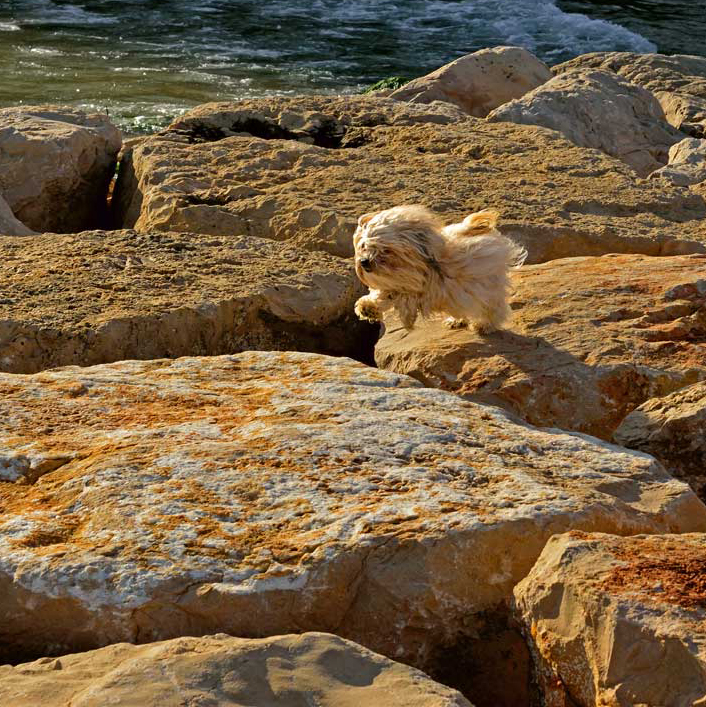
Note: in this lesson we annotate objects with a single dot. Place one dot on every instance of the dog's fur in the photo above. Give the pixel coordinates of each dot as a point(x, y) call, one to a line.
point(412, 262)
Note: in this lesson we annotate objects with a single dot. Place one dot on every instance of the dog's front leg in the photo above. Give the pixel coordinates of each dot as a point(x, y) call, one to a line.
point(373, 305)
point(407, 307)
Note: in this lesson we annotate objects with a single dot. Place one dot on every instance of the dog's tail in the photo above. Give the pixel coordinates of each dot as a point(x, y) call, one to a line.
point(477, 224)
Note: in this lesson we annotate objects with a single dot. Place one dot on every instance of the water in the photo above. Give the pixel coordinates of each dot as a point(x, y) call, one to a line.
point(145, 61)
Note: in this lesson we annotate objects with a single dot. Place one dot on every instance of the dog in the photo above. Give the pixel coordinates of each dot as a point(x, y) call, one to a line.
point(413, 263)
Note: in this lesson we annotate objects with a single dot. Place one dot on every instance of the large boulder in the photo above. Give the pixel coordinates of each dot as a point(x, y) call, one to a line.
point(678, 82)
point(56, 165)
point(599, 109)
point(673, 429)
point(102, 296)
point(305, 169)
point(590, 339)
point(9, 225)
point(687, 163)
point(268, 493)
point(222, 671)
point(479, 82)
point(618, 621)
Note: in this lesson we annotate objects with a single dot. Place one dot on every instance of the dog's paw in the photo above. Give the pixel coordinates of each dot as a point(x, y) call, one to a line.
point(366, 310)
point(484, 328)
point(453, 323)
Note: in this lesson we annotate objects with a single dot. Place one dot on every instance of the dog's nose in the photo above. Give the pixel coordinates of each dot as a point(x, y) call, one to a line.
point(366, 264)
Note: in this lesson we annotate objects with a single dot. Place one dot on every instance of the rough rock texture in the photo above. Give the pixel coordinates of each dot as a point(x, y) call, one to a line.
point(589, 341)
point(557, 199)
point(678, 81)
point(9, 225)
point(55, 166)
point(222, 671)
point(673, 429)
point(687, 163)
point(599, 109)
point(276, 492)
point(618, 621)
point(103, 296)
point(479, 82)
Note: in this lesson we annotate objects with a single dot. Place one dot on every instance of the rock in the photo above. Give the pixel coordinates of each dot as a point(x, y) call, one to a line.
point(590, 340)
point(266, 493)
point(678, 81)
point(214, 671)
point(9, 225)
point(687, 163)
point(56, 165)
point(479, 82)
point(598, 109)
point(618, 621)
point(673, 429)
point(102, 296)
point(226, 169)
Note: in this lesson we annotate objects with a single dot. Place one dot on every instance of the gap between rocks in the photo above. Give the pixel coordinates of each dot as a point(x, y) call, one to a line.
point(329, 133)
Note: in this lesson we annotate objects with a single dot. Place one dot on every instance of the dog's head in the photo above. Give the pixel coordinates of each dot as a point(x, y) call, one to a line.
point(397, 249)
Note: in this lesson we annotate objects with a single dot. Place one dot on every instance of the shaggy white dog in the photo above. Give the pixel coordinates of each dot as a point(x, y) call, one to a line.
point(412, 262)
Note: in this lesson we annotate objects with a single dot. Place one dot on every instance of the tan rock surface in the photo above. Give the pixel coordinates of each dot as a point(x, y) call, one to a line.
point(218, 671)
point(557, 199)
point(9, 225)
point(266, 493)
point(687, 163)
point(678, 81)
point(599, 109)
point(55, 166)
point(673, 429)
point(589, 341)
point(103, 296)
point(479, 82)
point(618, 621)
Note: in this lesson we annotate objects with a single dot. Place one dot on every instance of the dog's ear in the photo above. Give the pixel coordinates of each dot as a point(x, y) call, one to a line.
point(420, 239)
point(365, 218)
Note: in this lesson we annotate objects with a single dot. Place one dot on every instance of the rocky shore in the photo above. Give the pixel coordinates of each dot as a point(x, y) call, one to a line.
point(218, 487)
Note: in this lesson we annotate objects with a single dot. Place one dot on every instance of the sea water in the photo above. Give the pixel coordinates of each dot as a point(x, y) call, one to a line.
point(145, 61)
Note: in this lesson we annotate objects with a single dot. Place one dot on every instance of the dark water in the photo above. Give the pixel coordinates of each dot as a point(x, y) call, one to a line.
point(674, 26)
point(145, 61)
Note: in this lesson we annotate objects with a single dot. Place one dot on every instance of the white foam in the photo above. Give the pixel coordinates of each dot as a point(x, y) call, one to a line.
point(9, 27)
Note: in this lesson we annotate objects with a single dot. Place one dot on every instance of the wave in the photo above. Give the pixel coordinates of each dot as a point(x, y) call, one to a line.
point(47, 12)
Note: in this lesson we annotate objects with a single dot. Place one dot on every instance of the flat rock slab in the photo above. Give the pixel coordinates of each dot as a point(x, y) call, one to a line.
point(673, 429)
point(305, 169)
point(599, 109)
point(590, 339)
point(55, 166)
point(222, 671)
point(479, 82)
point(618, 621)
point(103, 296)
point(266, 493)
point(678, 82)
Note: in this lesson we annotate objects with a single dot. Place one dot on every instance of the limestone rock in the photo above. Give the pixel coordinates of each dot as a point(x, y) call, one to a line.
point(673, 429)
point(266, 493)
point(9, 225)
point(687, 163)
point(678, 81)
point(599, 109)
point(221, 671)
point(479, 82)
point(304, 169)
point(102, 296)
point(618, 621)
point(589, 341)
point(55, 166)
